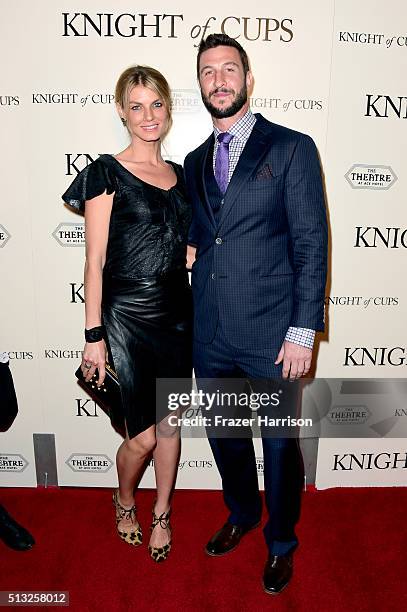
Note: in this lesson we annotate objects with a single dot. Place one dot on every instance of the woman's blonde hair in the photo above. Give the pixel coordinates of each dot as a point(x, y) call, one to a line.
point(148, 77)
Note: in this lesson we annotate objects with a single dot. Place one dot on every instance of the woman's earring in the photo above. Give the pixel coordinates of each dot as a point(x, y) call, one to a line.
point(123, 120)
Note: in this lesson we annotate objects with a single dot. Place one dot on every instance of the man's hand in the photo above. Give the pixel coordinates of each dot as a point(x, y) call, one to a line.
point(190, 256)
point(296, 360)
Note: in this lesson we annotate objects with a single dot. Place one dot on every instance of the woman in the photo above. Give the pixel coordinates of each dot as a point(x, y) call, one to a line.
point(137, 296)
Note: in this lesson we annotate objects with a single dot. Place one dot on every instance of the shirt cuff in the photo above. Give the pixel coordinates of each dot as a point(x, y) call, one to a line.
point(301, 335)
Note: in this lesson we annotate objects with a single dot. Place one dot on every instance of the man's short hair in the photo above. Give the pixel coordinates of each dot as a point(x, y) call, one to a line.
point(222, 40)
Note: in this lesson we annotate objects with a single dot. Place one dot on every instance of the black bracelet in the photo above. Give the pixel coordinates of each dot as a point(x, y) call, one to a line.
point(95, 334)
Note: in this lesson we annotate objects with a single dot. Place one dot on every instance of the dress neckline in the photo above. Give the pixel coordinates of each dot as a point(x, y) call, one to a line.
point(145, 182)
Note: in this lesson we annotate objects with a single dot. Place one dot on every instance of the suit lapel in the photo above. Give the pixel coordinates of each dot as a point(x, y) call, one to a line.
point(200, 178)
point(255, 149)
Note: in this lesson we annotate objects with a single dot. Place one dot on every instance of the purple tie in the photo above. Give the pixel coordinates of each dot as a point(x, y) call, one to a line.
point(222, 160)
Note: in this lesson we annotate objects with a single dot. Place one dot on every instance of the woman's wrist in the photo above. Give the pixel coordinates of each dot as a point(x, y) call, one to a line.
point(95, 334)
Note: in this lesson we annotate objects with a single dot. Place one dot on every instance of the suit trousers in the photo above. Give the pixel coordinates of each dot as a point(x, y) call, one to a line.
point(8, 399)
point(235, 457)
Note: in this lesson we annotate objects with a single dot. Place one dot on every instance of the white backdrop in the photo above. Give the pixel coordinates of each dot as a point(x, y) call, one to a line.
point(330, 69)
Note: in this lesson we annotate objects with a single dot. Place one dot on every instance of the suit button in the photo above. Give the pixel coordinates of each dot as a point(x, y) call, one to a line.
point(213, 276)
point(218, 240)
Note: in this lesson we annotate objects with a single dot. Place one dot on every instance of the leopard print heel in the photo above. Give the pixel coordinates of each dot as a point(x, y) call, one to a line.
point(131, 535)
point(160, 554)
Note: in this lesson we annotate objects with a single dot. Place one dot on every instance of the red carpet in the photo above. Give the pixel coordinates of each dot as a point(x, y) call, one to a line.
point(352, 555)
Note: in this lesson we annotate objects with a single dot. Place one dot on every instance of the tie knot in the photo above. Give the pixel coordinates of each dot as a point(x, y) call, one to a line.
point(225, 138)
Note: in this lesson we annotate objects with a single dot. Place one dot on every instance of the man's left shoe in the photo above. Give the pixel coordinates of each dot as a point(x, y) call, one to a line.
point(277, 573)
point(13, 534)
point(226, 539)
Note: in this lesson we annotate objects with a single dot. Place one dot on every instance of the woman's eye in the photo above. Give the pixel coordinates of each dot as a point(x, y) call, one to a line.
point(158, 104)
point(135, 108)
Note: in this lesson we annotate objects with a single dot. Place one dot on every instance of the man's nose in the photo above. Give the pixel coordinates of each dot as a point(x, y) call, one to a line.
point(219, 79)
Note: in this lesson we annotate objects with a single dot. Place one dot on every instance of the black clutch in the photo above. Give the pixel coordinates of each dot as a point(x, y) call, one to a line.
point(107, 396)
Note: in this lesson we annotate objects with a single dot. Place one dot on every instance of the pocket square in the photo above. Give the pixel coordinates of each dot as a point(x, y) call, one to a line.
point(265, 172)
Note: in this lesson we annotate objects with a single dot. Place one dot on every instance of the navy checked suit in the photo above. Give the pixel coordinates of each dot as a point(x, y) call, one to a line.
point(260, 268)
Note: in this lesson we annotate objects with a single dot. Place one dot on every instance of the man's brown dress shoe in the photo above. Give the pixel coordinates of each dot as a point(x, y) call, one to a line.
point(277, 573)
point(226, 539)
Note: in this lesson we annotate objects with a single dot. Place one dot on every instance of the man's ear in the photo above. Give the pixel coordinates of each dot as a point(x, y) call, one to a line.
point(249, 82)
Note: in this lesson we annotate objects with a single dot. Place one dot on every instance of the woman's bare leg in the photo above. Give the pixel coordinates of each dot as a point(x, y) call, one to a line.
point(166, 458)
point(130, 462)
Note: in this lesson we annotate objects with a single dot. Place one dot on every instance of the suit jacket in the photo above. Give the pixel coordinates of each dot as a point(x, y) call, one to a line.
point(262, 267)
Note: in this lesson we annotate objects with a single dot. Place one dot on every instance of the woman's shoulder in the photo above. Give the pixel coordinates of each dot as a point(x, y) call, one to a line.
point(100, 166)
point(178, 169)
point(106, 159)
point(96, 178)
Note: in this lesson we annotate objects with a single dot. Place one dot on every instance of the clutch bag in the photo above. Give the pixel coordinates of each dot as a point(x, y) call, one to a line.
point(107, 396)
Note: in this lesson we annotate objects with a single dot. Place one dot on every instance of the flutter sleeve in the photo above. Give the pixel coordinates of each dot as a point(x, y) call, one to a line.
point(92, 181)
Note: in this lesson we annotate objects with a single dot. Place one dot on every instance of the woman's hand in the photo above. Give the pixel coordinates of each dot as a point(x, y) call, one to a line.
point(94, 358)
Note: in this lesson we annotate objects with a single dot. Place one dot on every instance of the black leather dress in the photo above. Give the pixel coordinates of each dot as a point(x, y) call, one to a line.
point(147, 302)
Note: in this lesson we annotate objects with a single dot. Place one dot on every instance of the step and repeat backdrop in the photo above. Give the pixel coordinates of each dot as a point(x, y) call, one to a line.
point(330, 69)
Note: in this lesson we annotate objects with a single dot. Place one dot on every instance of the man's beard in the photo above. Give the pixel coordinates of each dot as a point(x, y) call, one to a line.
point(229, 111)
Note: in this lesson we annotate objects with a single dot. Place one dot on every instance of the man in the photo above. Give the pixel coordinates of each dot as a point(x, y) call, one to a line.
point(260, 232)
point(12, 533)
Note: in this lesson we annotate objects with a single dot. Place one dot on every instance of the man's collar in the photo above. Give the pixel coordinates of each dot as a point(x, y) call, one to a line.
point(242, 128)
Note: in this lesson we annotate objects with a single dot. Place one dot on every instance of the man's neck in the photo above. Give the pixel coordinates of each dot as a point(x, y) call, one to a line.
point(224, 124)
